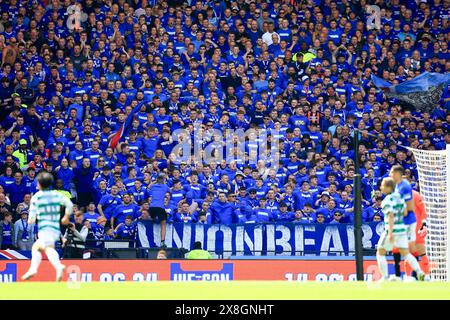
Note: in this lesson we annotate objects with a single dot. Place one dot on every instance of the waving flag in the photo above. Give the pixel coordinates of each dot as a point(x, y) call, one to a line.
point(423, 92)
point(124, 129)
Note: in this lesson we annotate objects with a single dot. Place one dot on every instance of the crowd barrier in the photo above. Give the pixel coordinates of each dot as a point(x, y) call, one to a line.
point(193, 270)
point(225, 241)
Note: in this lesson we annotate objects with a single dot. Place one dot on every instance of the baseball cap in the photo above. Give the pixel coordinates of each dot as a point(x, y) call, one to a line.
point(60, 121)
point(23, 141)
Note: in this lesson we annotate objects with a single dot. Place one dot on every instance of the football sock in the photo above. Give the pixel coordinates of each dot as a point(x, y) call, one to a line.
point(382, 264)
point(53, 257)
point(397, 259)
point(424, 264)
point(413, 262)
point(36, 257)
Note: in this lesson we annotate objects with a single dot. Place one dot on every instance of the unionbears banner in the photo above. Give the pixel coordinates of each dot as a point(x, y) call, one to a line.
point(262, 239)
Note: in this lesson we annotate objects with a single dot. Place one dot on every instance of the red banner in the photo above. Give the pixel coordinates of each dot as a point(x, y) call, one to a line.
point(184, 270)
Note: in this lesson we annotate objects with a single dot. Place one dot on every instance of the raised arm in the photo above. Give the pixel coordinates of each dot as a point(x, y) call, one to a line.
point(33, 211)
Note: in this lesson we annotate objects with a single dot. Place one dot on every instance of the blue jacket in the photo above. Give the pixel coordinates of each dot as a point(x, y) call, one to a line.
point(223, 212)
point(17, 192)
point(66, 175)
point(84, 178)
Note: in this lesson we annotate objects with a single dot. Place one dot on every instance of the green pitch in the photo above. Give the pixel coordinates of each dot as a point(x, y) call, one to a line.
point(234, 290)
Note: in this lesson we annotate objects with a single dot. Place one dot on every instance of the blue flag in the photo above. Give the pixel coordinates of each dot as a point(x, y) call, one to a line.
point(423, 92)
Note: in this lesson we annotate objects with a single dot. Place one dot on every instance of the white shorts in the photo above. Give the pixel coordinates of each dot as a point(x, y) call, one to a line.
point(411, 232)
point(400, 242)
point(47, 238)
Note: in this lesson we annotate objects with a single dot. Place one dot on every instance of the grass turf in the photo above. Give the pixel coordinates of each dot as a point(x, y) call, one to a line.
point(234, 290)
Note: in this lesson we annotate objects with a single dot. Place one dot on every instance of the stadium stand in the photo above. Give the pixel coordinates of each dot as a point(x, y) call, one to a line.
point(106, 95)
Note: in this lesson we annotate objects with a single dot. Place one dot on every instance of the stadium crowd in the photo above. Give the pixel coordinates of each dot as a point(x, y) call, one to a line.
point(71, 72)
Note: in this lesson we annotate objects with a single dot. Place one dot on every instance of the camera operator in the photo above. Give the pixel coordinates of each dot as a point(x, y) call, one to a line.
point(74, 239)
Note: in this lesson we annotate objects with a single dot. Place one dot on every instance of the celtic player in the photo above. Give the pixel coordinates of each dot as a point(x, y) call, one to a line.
point(395, 233)
point(46, 206)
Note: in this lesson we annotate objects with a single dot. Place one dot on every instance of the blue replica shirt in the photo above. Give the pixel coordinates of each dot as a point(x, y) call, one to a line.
point(93, 156)
point(109, 204)
point(248, 218)
point(305, 198)
point(184, 217)
point(196, 192)
point(91, 217)
point(261, 192)
point(124, 210)
point(263, 215)
point(7, 236)
point(157, 192)
point(135, 147)
point(299, 122)
point(28, 181)
point(272, 206)
point(139, 195)
point(176, 196)
point(288, 216)
point(129, 183)
point(126, 232)
point(292, 167)
point(6, 181)
point(290, 200)
point(17, 192)
point(170, 210)
point(149, 146)
point(77, 155)
point(369, 212)
point(405, 190)
point(98, 232)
